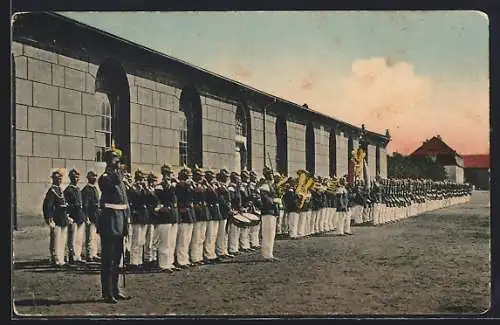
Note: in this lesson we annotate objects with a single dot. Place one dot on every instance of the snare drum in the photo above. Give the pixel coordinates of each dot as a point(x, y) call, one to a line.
point(241, 221)
point(255, 220)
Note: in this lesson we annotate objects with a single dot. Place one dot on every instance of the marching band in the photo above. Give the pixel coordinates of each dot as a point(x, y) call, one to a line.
point(205, 216)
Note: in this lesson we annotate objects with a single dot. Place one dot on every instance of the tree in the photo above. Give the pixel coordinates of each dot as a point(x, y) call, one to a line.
point(399, 166)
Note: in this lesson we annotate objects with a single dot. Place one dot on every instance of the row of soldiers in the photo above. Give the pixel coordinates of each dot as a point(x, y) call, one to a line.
point(202, 216)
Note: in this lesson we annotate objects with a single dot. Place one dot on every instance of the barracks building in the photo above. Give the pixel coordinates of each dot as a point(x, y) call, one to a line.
point(77, 88)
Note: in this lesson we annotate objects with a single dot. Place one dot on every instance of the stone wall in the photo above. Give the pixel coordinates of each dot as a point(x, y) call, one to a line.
point(296, 147)
point(218, 133)
point(55, 121)
point(322, 161)
point(342, 157)
point(154, 124)
point(372, 161)
point(383, 162)
point(258, 141)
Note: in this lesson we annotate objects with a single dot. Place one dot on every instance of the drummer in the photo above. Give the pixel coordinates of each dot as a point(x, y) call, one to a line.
point(246, 204)
point(224, 196)
point(234, 230)
point(256, 207)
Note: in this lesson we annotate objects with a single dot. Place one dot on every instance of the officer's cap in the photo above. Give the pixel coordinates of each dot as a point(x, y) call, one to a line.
point(244, 173)
point(209, 172)
point(253, 173)
point(198, 171)
point(73, 172)
point(91, 173)
point(234, 174)
point(166, 169)
point(139, 174)
point(186, 171)
point(59, 172)
point(152, 176)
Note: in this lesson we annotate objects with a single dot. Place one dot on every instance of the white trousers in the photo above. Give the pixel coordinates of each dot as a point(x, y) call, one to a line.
point(137, 243)
point(222, 238)
point(310, 222)
point(75, 240)
point(167, 237)
point(302, 224)
point(255, 235)
point(52, 244)
point(184, 234)
point(279, 221)
point(347, 223)
point(197, 240)
point(91, 241)
point(245, 238)
point(60, 239)
point(234, 238)
point(268, 234)
point(313, 222)
point(284, 223)
point(150, 244)
point(293, 224)
point(339, 227)
point(210, 240)
point(332, 219)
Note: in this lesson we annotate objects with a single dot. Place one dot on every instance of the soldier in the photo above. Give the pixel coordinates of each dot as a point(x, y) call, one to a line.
point(377, 200)
point(255, 209)
point(323, 224)
point(212, 199)
point(332, 216)
point(269, 214)
point(76, 229)
point(224, 196)
point(236, 207)
point(246, 205)
point(112, 225)
point(290, 200)
point(316, 206)
point(201, 217)
point(342, 207)
point(281, 212)
point(55, 216)
point(167, 218)
point(184, 192)
point(140, 218)
point(151, 244)
point(90, 202)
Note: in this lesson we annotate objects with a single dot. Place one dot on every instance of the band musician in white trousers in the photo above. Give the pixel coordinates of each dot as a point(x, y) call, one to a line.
point(269, 213)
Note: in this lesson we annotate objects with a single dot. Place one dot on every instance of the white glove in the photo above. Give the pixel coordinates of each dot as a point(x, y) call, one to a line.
point(277, 200)
point(52, 224)
point(71, 221)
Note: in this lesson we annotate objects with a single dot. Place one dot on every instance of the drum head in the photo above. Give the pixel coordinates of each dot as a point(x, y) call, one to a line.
point(240, 221)
point(251, 217)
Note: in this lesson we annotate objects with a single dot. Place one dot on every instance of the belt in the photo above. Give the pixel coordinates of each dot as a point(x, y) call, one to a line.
point(116, 206)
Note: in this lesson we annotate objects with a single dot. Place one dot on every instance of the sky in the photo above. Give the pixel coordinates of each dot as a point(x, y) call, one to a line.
point(418, 74)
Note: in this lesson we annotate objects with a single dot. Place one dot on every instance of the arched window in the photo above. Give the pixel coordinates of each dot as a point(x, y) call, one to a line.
point(281, 145)
point(190, 131)
point(310, 149)
point(13, 112)
point(243, 141)
point(332, 143)
point(113, 94)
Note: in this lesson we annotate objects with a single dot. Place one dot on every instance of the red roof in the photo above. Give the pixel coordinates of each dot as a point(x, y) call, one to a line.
point(477, 161)
point(434, 146)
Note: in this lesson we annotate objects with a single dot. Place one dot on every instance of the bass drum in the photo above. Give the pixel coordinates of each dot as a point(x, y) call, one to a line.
point(240, 221)
point(255, 220)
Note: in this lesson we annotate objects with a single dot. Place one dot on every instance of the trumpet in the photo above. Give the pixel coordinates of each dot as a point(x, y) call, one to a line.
point(332, 186)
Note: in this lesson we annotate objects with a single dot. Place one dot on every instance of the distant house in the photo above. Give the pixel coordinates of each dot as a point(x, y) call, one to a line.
point(440, 152)
point(477, 171)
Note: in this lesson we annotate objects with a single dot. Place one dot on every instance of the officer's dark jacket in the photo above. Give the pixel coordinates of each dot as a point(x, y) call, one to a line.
point(212, 199)
point(245, 195)
point(342, 199)
point(255, 200)
point(224, 196)
point(290, 200)
point(113, 222)
point(54, 206)
point(199, 201)
point(90, 198)
point(267, 195)
point(316, 200)
point(235, 196)
point(139, 198)
point(73, 196)
point(184, 192)
point(166, 197)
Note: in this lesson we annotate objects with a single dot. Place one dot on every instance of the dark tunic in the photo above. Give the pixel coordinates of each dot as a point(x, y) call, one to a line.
point(113, 222)
point(316, 200)
point(55, 206)
point(212, 199)
point(254, 198)
point(342, 200)
point(268, 194)
point(184, 192)
point(90, 198)
point(73, 196)
point(290, 200)
point(199, 202)
point(168, 214)
point(140, 213)
point(224, 199)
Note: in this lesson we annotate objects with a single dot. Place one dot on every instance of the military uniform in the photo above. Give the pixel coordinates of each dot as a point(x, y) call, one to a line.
point(254, 193)
point(140, 218)
point(184, 192)
point(55, 215)
point(76, 228)
point(202, 216)
point(151, 243)
point(341, 197)
point(236, 206)
point(290, 200)
point(90, 202)
point(246, 204)
point(166, 220)
point(316, 208)
point(269, 213)
point(212, 199)
point(112, 225)
point(224, 200)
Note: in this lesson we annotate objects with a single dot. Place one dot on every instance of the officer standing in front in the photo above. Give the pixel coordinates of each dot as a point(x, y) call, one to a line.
point(112, 225)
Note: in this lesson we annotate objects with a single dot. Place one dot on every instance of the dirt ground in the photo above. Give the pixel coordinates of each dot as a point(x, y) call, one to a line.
point(435, 263)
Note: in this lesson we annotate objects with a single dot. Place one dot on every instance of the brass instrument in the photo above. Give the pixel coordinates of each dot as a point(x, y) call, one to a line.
point(332, 186)
point(357, 158)
point(281, 187)
point(305, 183)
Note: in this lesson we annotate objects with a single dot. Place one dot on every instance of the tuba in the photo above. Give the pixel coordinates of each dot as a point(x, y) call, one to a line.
point(304, 185)
point(332, 186)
